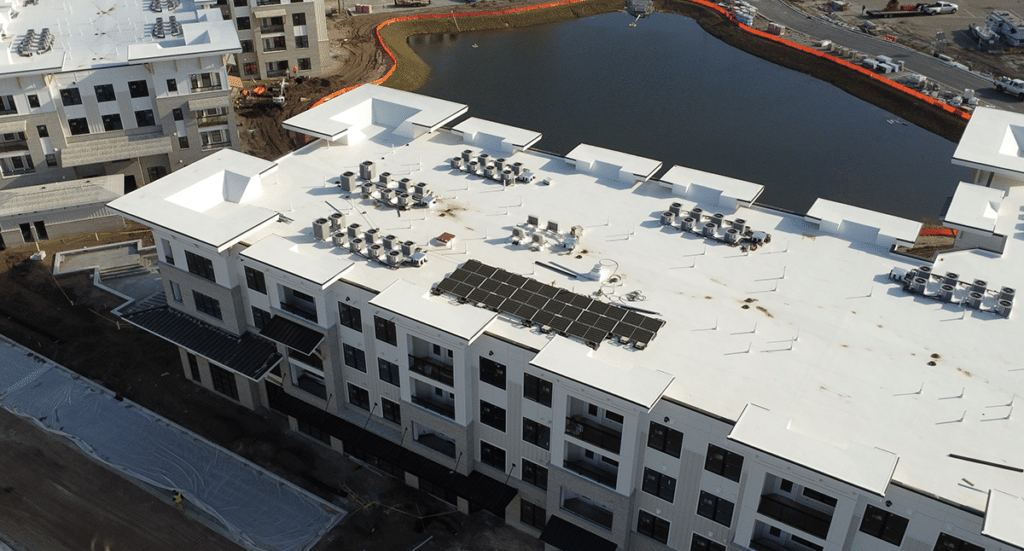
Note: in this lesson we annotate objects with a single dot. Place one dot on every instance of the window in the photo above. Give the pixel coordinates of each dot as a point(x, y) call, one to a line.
point(78, 126)
point(255, 280)
point(112, 122)
point(241, 3)
point(298, 18)
point(260, 317)
point(178, 114)
point(314, 431)
point(21, 164)
point(884, 525)
point(535, 474)
point(492, 373)
point(388, 371)
point(492, 415)
point(70, 96)
point(350, 317)
point(492, 455)
point(302, 42)
point(202, 82)
point(715, 508)
point(244, 24)
point(809, 544)
point(947, 542)
point(392, 411)
point(144, 118)
point(614, 417)
point(200, 266)
point(359, 397)
point(183, 142)
point(7, 105)
point(207, 305)
point(818, 496)
point(659, 484)
point(665, 439)
point(700, 543)
point(223, 381)
point(305, 64)
point(537, 434)
point(138, 89)
point(105, 92)
point(723, 462)
point(385, 330)
point(537, 389)
point(247, 45)
point(532, 515)
point(176, 291)
point(33, 100)
point(786, 486)
point(193, 368)
point(249, 69)
point(172, 85)
point(43, 131)
point(354, 358)
point(215, 139)
point(51, 159)
point(652, 526)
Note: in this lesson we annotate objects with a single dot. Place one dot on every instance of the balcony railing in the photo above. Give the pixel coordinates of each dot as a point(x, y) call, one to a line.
point(765, 544)
point(221, 145)
point(598, 515)
point(195, 89)
point(277, 73)
point(312, 386)
point(297, 311)
point(438, 407)
point(794, 514)
point(216, 120)
point(589, 470)
point(604, 437)
point(431, 369)
point(265, 29)
point(438, 444)
point(14, 145)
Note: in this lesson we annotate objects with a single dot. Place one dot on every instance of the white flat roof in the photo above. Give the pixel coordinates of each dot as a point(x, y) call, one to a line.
point(994, 140)
point(477, 131)
point(1003, 518)
point(408, 299)
point(706, 188)
point(99, 33)
point(571, 359)
point(217, 202)
point(862, 224)
point(974, 207)
point(640, 167)
point(808, 326)
point(865, 467)
point(302, 259)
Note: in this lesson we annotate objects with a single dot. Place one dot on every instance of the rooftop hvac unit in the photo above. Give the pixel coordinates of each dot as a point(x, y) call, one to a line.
point(408, 247)
point(532, 220)
point(355, 245)
point(760, 237)
point(338, 239)
point(974, 299)
point(1003, 308)
point(418, 259)
point(376, 250)
point(899, 274)
point(676, 209)
point(388, 196)
point(367, 188)
point(348, 182)
point(457, 163)
point(393, 258)
point(518, 168)
point(709, 229)
point(405, 184)
point(668, 218)
point(492, 172)
point(719, 219)
point(321, 229)
point(740, 224)
point(518, 235)
point(404, 200)
point(697, 213)
point(467, 155)
point(688, 223)
point(500, 163)
point(951, 279)
point(508, 177)
point(474, 167)
point(525, 176)
point(918, 285)
point(385, 178)
point(552, 226)
point(1007, 293)
point(979, 286)
point(484, 159)
point(391, 242)
point(925, 272)
point(732, 235)
point(368, 170)
point(372, 236)
point(353, 231)
point(422, 189)
point(946, 293)
point(337, 221)
point(539, 241)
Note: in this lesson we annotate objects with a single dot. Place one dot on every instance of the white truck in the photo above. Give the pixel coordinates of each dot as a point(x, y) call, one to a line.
point(1012, 86)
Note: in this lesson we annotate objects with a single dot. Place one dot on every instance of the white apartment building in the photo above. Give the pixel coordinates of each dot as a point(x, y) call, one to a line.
point(605, 360)
point(91, 88)
point(279, 37)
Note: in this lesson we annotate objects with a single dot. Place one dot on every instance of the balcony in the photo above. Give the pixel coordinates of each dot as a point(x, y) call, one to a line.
point(795, 514)
point(433, 370)
point(267, 29)
point(765, 544)
point(591, 471)
point(298, 311)
point(198, 88)
point(312, 386)
point(594, 433)
point(437, 406)
point(583, 509)
point(436, 443)
point(216, 120)
point(14, 146)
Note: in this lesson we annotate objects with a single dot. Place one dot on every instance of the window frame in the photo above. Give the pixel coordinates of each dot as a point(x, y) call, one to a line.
point(493, 373)
point(887, 523)
point(948, 542)
point(663, 438)
point(350, 316)
point(534, 474)
point(659, 484)
point(112, 122)
point(715, 508)
point(652, 526)
point(490, 455)
point(529, 512)
point(392, 411)
point(724, 463)
point(256, 280)
point(385, 330)
point(389, 372)
point(536, 433)
point(70, 96)
point(700, 543)
point(359, 396)
point(200, 265)
point(145, 118)
point(537, 389)
point(260, 317)
point(224, 381)
point(207, 305)
point(493, 416)
point(357, 356)
point(138, 89)
point(78, 126)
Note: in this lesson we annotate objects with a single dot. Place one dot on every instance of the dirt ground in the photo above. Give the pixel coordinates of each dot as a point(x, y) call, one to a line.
point(68, 320)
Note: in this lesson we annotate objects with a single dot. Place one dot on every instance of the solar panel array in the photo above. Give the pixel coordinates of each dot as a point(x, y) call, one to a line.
point(565, 312)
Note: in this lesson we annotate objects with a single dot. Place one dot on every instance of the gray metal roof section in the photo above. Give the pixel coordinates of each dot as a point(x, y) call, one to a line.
point(249, 355)
point(293, 335)
point(111, 149)
point(61, 195)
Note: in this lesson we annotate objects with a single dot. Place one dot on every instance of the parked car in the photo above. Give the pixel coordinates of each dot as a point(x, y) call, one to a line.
point(940, 7)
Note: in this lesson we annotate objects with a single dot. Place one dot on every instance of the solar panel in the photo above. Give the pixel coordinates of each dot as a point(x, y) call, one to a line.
point(506, 290)
point(595, 335)
point(475, 279)
point(581, 301)
point(536, 301)
point(543, 318)
point(571, 312)
point(460, 275)
point(559, 324)
point(477, 295)
point(527, 312)
point(521, 295)
point(517, 280)
point(588, 317)
point(494, 301)
point(547, 291)
point(502, 275)
point(485, 270)
point(598, 307)
point(652, 324)
point(633, 318)
point(490, 285)
point(605, 324)
point(643, 335)
point(554, 307)
point(577, 329)
point(623, 329)
point(472, 265)
point(462, 290)
point(533, 285)
point(565, 296)
point(446, 285)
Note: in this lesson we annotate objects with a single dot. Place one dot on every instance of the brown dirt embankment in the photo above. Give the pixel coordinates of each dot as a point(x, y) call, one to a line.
point(412, 72)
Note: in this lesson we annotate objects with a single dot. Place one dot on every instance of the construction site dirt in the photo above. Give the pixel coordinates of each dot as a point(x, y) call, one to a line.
point(67, 319)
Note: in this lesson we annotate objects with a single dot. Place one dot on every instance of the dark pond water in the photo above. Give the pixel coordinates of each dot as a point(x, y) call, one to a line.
point(669, 91)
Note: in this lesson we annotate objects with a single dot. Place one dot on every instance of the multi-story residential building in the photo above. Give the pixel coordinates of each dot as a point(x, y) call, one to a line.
point(605, 360)
point(136, 87)
point(279, 37)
